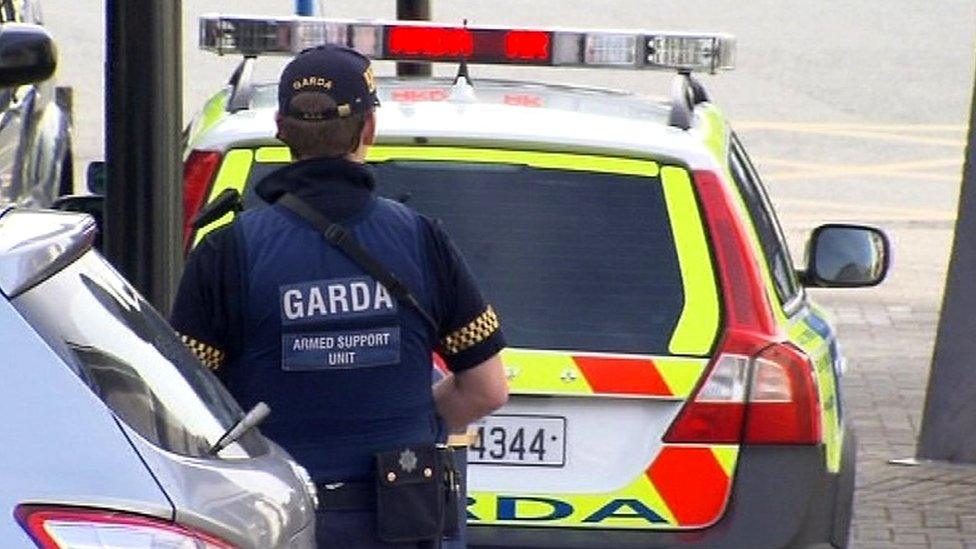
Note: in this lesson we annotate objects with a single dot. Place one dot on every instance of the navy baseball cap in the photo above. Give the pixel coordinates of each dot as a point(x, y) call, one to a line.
point(343, 74)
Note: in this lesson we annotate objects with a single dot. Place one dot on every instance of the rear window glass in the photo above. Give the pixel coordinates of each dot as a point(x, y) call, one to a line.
point(131, 358)
point(571, 260)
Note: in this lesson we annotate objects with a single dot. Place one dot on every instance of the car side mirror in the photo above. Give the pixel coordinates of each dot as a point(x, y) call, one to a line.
point(27, 54)
point(846, 256)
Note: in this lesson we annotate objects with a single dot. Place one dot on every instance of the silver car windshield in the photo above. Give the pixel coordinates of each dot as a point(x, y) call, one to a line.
point(131, 358)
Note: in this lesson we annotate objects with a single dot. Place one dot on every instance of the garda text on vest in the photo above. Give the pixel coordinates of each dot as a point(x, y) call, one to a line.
point(338, 323)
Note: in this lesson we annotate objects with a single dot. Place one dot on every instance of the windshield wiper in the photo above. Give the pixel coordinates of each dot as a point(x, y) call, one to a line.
point(251, 419)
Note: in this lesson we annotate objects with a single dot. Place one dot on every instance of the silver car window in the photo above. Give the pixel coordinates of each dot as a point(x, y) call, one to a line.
point(131, 358)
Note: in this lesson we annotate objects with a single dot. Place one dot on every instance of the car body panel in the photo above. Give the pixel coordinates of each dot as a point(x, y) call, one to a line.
point(256, 502)
point(552, 373)
point(613, 130)
point(61, 445)
point(804, 324)
point(782, 498)
point(811, 332)
point(214, 110)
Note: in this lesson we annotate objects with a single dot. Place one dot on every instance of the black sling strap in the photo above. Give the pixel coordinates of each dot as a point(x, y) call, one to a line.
point(338, 236)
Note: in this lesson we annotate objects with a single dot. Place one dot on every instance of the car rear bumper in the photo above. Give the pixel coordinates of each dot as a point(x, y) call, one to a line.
point(783, 497)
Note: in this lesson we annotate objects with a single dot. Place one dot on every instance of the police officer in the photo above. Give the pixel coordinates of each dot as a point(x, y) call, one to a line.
point(288, 318)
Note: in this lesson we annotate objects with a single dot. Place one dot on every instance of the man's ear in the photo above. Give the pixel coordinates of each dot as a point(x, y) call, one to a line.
point(369, 128)
point(281, 132)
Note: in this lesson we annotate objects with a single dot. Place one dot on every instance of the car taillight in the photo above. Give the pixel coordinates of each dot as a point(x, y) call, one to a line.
point(756, 390)
point(716, 412)
point(68, 527)
point(784, 403)
point(769, 398)
point(198, 174)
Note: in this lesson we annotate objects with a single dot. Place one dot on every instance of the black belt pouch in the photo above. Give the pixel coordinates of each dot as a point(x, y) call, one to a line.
point(452, 497)
point(410, 494)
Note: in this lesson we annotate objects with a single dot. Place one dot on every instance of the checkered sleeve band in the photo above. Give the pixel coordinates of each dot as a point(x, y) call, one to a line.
point(211, 357)
point(476, 331)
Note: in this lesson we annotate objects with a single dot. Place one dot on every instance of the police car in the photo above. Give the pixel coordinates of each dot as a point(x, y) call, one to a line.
point(672, 383)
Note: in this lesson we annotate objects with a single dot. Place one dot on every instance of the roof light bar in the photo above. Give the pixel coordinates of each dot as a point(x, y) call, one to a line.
point(423, 41)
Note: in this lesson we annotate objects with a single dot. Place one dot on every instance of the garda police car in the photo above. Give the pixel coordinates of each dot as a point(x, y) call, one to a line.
point(672, 383)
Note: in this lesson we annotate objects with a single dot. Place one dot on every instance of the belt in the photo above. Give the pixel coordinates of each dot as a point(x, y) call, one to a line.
point(347, 496)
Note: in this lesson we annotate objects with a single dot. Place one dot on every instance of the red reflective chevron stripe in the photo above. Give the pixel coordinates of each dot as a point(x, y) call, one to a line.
point(692, 483)
point(627, 376)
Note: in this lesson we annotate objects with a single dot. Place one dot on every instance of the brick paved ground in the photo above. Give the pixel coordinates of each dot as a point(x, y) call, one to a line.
point(888, 334)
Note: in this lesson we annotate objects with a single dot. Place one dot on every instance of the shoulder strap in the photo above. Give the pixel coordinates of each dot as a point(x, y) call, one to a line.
point(339, 236)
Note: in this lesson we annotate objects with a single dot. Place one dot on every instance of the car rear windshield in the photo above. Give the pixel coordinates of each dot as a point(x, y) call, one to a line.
point(131, 358)
point(571, 260)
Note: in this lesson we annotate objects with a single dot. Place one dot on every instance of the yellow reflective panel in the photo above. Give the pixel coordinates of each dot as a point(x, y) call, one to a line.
point(232, 175)
point(726, 456)
point(544, 372)
point(816, 347)
point(213, 111)
point(272, 154)
point(547, 372)
point(681, 374)
point(699, 320)
point(716, 133)
point(536, 159)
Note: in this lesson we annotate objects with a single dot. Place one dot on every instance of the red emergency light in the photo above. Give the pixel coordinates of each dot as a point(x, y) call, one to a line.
point(423, 41)
point(426, 42)
point(412, 42)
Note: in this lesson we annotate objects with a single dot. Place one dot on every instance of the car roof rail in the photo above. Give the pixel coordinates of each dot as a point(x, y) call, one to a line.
point(242, 85)
point(686, 92)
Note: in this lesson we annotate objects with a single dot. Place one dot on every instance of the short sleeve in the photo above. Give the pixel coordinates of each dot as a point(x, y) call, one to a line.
point(470, 329)
point(206, 311)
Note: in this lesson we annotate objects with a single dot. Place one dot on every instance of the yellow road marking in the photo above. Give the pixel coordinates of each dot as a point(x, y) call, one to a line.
point(912, 169)
point(820, 174)
point(863, 131)
point(842, 126)
point(865, 210)
point(883, 136)
point(951, 162)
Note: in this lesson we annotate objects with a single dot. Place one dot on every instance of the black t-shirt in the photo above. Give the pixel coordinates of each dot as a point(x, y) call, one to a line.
point(208, 310)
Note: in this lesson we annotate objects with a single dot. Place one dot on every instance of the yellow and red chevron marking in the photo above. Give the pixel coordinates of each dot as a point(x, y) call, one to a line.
point(586, 374)
point(684, 487)
point(694, 481)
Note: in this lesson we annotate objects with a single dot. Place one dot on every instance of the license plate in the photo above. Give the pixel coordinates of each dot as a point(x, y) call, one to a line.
point(519, 440)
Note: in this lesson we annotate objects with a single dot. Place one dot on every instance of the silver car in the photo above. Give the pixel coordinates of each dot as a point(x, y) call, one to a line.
point(112, 433)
